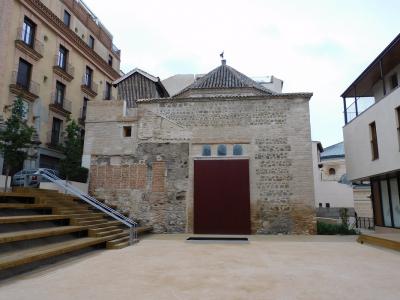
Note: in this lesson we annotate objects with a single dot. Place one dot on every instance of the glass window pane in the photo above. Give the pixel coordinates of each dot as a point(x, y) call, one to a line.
point(237, 150)
point(206, 150)
point(385, 204)
point(221, 151)
point(394, 191)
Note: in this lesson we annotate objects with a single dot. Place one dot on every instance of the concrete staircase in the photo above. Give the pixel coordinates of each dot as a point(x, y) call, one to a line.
point(37, 224)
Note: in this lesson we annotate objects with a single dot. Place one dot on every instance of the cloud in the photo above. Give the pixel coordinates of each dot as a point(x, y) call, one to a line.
point(317, 46)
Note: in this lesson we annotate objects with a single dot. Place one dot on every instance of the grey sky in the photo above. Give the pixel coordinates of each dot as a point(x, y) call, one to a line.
point(316, 46)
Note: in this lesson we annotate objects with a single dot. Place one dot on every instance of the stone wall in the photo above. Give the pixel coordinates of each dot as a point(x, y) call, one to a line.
point(168, 136)
point(150, 186)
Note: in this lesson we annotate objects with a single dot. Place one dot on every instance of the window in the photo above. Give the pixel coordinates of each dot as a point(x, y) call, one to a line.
point(332, 171)
point(206, 150)
point(60, 93)
point(56, 131)
point(107, 93)
point(110, 60)
point(221, 150)
point(398, 124)
point(327, 205)
point(127, 131)
point(374, 141)
point(84, 108)
point(88, 77)
point(62, 57)
point(320, 204)
point(28, 32)
point(394, 81)
point(237, 150)
point(67, 18)
point(91, 42)
point(24, 74)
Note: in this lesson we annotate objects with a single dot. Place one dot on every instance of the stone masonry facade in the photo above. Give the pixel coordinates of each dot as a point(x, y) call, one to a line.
point(151, 176)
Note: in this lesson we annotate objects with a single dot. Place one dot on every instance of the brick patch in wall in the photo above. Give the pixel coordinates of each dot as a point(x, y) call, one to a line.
point(158, 178)
point(118, 177)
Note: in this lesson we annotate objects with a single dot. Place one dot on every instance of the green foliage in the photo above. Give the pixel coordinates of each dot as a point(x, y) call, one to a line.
point(16, 137)
point(344, 216)
point(70, 166)
point(333, 229)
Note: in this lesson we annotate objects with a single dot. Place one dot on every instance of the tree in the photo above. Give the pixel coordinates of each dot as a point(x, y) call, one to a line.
point(15, 138)
point(70, 165)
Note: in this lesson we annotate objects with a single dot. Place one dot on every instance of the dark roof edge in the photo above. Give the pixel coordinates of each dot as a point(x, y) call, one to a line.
point(332, 156)
point(371, 65)
point(258, 97)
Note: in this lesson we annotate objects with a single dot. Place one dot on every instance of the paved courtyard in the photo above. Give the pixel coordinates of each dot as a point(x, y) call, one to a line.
point(268, 267)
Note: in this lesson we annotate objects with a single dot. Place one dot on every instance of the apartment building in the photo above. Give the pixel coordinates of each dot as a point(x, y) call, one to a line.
point(57, 56)
point(372, 134)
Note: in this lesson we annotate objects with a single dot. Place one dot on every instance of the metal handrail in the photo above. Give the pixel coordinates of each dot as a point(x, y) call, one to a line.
point(92, 201)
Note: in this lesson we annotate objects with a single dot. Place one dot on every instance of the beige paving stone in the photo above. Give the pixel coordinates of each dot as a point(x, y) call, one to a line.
point(268, 267)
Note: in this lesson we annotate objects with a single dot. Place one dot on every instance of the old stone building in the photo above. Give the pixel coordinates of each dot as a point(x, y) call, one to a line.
point(225, 155)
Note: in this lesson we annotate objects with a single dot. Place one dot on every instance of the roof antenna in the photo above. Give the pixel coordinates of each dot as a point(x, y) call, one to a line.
point(223, 61)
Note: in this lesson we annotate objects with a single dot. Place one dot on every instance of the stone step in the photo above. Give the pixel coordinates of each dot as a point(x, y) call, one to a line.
point(85, 223)
point(31, 218)
point(93, 231)
point(87, 218)
point(38, 233)
point(389, 240)
point(22, 257)
point(23, 206)
point(118, 245)
point(117, 241)
point(106, 232)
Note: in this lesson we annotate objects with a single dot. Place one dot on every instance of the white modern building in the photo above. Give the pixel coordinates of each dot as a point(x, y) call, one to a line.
point(332, 188)
point(372, 133)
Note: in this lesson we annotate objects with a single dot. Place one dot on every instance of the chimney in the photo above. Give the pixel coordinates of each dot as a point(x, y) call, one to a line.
point(223, 62)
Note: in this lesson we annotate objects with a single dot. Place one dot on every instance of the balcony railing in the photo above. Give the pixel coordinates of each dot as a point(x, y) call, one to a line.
point(115, 50)
point(54, 139)
point(35, 44)
point(89, 87)
point(357, 107)
point(58, 103)
point(64, 66)
point(24, 85)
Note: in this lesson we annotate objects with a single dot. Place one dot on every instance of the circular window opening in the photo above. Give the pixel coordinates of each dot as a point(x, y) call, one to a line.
point(332, 171)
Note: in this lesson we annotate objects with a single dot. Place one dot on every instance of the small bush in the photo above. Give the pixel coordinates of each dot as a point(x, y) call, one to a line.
point(332, 229)
point(79, 174)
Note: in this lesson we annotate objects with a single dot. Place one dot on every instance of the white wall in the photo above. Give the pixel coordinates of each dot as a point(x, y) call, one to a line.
point(356, 134)
point(332, 192)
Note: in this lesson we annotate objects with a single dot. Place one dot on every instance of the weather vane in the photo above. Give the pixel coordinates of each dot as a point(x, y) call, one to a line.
point(222, 54)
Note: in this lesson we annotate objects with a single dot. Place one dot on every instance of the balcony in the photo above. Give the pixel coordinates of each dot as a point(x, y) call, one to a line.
point(54, 139)
point(63, 69)
point(62, 107)
point(28, 89)
point(89, 87)
point(357, 107)
point(34, 49)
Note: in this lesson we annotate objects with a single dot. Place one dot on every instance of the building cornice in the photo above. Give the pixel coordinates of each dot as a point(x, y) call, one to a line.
point(306, 96)
point(51, 19)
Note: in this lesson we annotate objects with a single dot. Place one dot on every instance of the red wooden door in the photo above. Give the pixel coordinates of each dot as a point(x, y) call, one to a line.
point(221, 196)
